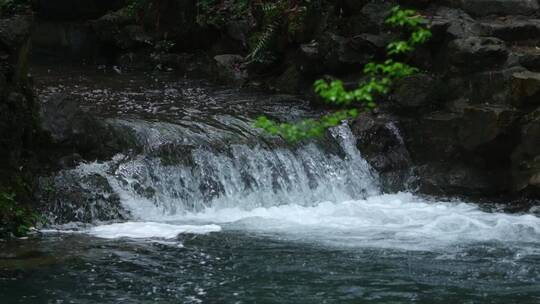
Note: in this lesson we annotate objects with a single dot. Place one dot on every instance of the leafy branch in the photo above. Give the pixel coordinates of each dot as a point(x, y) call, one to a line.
point(380, 78)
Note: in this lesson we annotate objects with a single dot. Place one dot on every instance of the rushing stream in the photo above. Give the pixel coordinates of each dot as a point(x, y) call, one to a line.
point(219, 213)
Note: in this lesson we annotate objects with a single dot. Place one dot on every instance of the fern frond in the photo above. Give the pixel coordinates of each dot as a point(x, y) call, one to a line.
point(264, 41)
point(269, 7)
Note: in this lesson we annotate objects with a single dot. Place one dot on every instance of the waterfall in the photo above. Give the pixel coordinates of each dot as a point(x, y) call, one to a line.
point(169, 178)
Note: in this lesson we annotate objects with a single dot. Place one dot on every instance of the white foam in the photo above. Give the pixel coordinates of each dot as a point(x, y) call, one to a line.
point(142, 230)
point(400, 220)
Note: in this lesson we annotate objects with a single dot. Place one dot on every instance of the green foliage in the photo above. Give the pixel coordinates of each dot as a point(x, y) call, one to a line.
point(260, 51)
point(14, 218)
point(379, 79)
point(272, 22)
point(307, 128)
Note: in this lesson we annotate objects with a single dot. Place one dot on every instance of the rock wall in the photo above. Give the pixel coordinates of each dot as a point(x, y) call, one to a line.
point(18, 108)
point(470, 121)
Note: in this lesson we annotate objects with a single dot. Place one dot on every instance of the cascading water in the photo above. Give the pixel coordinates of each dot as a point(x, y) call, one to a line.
point(195, 179)
point(202, 208)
